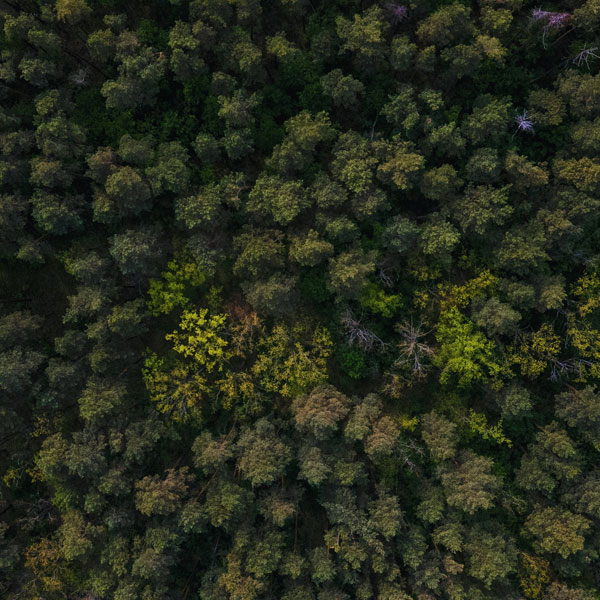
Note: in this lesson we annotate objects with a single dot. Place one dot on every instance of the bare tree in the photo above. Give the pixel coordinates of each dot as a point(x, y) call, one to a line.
point(569, 366)
point(358, 334)
point(414, 351)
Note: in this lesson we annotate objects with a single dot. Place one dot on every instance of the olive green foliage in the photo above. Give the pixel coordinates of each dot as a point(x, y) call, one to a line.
point(299, 300)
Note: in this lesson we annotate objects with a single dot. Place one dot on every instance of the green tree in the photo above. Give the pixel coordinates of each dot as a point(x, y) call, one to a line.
point(320, 411)
point(491, 557)
point(556, 530)
point(470, 484)
point(439, 435)
point(262, 457)
point(349, 271)
point(157, 496)
point(581, 409)
point(365, 35)
point(445, 26)
point(277, 198)
point(276, 296)
point(343, 89)
point(137, 251)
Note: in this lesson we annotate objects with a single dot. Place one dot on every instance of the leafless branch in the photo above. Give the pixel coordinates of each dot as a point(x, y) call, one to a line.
point(414, 351)
point(358, 334)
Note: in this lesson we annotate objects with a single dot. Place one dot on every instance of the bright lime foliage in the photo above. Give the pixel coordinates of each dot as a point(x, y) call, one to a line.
point(293, 361)
point(465, 355)
point(172, 290)
point(199, 338)
point(537, 350)
point(377, 301)
point(177, 390)
point(478, 424)
point(462, 295)
point(587, 291)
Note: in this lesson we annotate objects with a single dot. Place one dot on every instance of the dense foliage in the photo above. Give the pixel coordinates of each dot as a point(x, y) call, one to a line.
point(300, 299)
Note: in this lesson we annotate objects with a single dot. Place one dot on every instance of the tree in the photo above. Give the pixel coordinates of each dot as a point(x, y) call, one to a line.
point(556, 530)
point(353, 163)
point(75, 535)
point(274, 296)
point(305, 133)
point(383, 438)
point(484, 166)
point(559, 591)
point(581, 409)
point(491, 557)
point(343, 89)
point(100, 398)
point(72, 11)
point(320, 411)
point(236, 110)
point(175, 286)
point(489, 120)
point(18, 368)
point(523, 248)
point(465, 355)
point(199, 338)
point(18, 328)
point(140, 71)
point(262, 457)
point(282, 200)
point(496, 317)
point(401, 234)
point(310, 250)
point(546, 108)
point(403, 53)
point(340, 230)
point(127, 194)
point(582, 173)
point(580, 92)
point(137, 251)
point(348, 272)
point(402, 110)
point(446, 140)
point(551, 458)
point(470, 485)
point(385, 515)
point(188, 43)
point(259, 251)
point(157, 496)
point(176, 389)
point(445, 26)
point(399, 165)
point(515, 400)
point(438, 239)
point(170, 172)
point(440, 436)
point(313, 468)
point(440, 183)
point(56, 214)
point(292, 361)
point(523, 173)
point(327, 193)
point(365, 35)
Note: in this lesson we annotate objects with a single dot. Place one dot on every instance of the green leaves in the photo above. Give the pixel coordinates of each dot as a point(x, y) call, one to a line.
point(465, 355)
point(198, 338)
point(174, 288)
point(557, 531)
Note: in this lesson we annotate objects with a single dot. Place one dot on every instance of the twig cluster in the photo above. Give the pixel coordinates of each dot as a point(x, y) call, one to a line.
point(414, 350)
point(358, 334)
point(584, 56)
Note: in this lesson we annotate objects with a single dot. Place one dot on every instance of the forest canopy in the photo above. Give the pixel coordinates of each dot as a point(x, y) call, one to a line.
point(299, 300)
